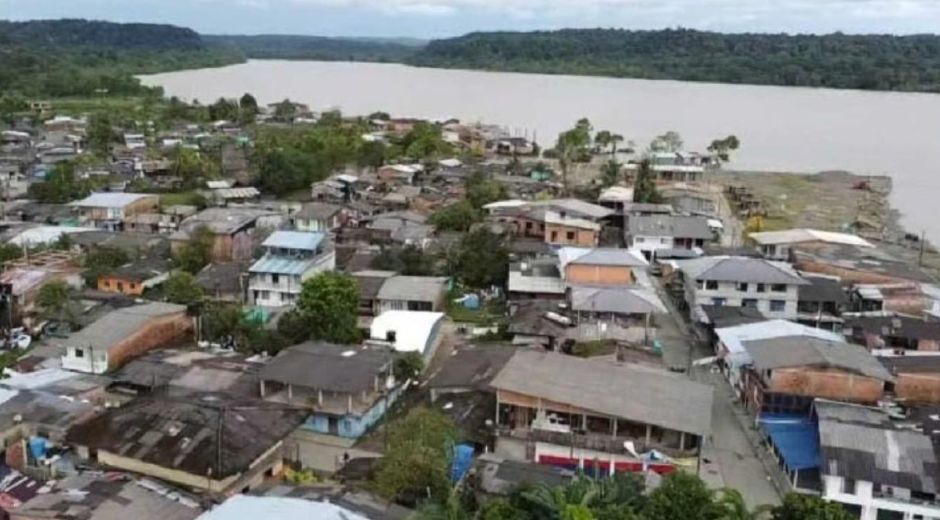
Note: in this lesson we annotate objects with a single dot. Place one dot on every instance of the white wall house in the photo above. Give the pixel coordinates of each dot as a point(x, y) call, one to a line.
point(292, 257)
point(770, 287)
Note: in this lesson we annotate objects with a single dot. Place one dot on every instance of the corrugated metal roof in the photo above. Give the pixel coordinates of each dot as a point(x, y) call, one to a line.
point(244, 507)
point(600, 256)
point(620, 300)
point(306, 241)
point(802, 351)
point(117, 325)
point(282, 265)
point(110, 200)
point(740, 269)
point(796, 236)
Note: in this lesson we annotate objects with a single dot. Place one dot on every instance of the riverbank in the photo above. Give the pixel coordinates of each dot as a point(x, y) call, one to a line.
point(835, 201)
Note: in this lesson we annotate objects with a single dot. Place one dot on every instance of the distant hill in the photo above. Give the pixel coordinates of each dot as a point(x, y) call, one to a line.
point(873, 62)
point(81, 57)
point(287, 47)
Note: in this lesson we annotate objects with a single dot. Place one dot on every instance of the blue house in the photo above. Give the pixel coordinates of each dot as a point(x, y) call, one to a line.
point(346, 388)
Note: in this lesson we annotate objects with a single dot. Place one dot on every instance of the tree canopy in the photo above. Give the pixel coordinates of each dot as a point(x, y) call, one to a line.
point(416, 464)
point(329, 303)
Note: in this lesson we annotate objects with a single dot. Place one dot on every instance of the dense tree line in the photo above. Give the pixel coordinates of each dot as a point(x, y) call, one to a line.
point(874, 62)
point(287, 47)
point(81, 58)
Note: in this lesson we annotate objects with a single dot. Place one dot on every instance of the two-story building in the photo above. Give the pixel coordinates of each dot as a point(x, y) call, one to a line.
point(319, 217)
point(290, 258)
point(346, 388)
point(736, 281)
point(776, 245)
point(651, 233)
point(108, 210)
point(599, 266)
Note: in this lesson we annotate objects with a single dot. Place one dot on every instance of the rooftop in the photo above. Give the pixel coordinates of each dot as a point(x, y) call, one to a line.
point(325, 366)
point(619, 300)
point(680, 226)
point(802, 351)
point(318, 211)
point(471, 366)
point(740, 269)
point(114, 327)
point(220, 220)
point(306, 241)
point(412, 329)
point(796, 236)
point(607, 256)
point(244, 507)
point(413, 288)
point(625, 391)
point(110, 200)
point(733, 338)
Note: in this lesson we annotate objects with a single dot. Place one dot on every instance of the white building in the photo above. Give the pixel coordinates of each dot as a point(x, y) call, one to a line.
point(292, 257)
point(776, 245)
point(409, 331)
point(735, 281)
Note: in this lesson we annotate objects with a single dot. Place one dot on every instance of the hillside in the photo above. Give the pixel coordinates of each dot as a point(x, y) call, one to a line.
point(80, 58)
point(320, 48)
point(872, 62)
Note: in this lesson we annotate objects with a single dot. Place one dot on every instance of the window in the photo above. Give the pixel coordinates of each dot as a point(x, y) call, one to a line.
point(761, 287)
point(779, 287)
point(554, 236)
point(639, 240)
point(749, 303)
point(528, 225)
point(120, 286)
point(275, 278)
point(777, 305)
point(570, 235)
point(742, 287)
point(719, 302)
point(711, 285)
point(265, 295)
point(848, 486)
point(79, 352)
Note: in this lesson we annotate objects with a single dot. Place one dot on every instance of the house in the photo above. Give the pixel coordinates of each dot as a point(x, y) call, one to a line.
point(150, 223)
point(624, 305)
point(561, 229)
point(855, 264)
point(181, 372)
point(346, 389)
point(399, 173)
point(892, 331)
point(20, 285)
point(239, 507)
point(599, 266)
point(318, 217)
point(538, 278)
point(408, 331)
point(290, 258)
point(650, 233)
point(874, 467)
point(564, 410)
point(203, 442)
point(125, 334)
point(786, 373)
point(821, 302)
point(776, 245)
point(770, 287)
point(692, 199)
point(917, 378)
point(241, 195)
point(93, 496)
point(558, 221)
point(134, 278)
point(108, 210)
point(470, 369)
point(411, 293)
point(370, 283)
point(226, 282)
point(234, 230)
point(729, 342)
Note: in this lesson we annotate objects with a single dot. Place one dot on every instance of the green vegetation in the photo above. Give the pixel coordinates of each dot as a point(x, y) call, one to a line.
point(644, 187)
point(319, 48)
point(480, 260)
point(88, 58)
point(871, 62)
point(329, 304)
point(102, 260)
point(61, 185)
point(197, 252)
point(416, 464)
point(55, 298)
point(408, 365)
point(182, 288)
point(409, 260)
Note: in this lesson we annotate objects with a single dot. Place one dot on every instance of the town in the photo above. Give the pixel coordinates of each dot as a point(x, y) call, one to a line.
point(238, 310)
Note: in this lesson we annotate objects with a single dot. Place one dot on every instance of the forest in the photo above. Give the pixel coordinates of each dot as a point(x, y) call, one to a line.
point(58, 58)
point(286, 47)
point(869, 62)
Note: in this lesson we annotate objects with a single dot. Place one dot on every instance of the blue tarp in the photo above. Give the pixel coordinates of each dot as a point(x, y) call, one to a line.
point(463, 459)
point(796, 438)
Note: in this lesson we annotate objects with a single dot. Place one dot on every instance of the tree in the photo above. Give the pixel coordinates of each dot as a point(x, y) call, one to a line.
point(371, 155)
point(417, 461)
point(285, 110)
point(197, 253)
point(644, 186)
point(9, 252)
point(721, 148)
point(247, 109)
point(181, 287)
point(481, 260)
point(482, 190)
point(55, 300)
point(100, 133)
point(100, 260)
point(425, 141)
point(681, 497)
point(223, 110)
point(329, 301)
point(192, 167)
point(408, 365)
point(294, 327)
point(804, 507)
point(409, 260)
point(61, 185)
point(610, 173)
point(603, 139)
point(571, 146)
point(458, 216)
point(671, 141)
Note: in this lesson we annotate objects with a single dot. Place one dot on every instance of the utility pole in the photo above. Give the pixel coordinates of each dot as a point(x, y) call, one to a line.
point(920, 256)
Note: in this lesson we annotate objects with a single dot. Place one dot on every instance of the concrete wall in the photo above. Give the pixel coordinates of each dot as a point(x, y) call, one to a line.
point(734, 297)
point(353, 426)
point(829, 384)
point(598, 274)
point(864, 497)
point(127, 287)
point(175, 476)
point(558, 234)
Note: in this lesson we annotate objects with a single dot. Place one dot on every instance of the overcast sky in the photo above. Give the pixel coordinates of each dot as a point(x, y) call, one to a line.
point(430, 18)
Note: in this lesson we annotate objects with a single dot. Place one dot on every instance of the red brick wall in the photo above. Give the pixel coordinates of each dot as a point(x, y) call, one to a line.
point(918, 388)
point(829, 384)
point(158, 332)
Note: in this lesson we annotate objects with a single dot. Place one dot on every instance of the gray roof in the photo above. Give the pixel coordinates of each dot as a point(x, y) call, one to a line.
point(681, 226)
point(601, 256)
point(196, 433)
point(619, 300)
point(112, 328)
point(110, 200)
point(222, 221)
point(471, 366)
point(413, 288)
point(577, 207)
point(822, 290)
point(859, 443)
point(740, 269)
point(301, 240)
point(804, 351)
point(325, 366)
point(318, 211)
point(371, 282)
point(625, 391)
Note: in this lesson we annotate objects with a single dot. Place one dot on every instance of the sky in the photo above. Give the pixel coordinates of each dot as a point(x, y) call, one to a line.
point(441, 18)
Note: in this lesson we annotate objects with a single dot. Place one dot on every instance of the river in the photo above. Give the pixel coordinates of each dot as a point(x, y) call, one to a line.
point(780, 128)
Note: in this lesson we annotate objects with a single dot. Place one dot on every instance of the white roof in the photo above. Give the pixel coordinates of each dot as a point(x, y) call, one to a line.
point(37, 379)
point(733, 338)
point(796, 236)
point(243, 507)
point(412, 328)
point(110, 200)
point(512, 203)
point(581, 223)
point(450, 163)
point(220, 184)
point(44, 234)
point(617, 194)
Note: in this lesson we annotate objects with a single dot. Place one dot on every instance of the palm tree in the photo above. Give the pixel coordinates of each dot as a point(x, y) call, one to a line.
point(731, 506)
